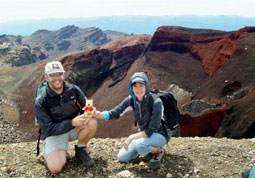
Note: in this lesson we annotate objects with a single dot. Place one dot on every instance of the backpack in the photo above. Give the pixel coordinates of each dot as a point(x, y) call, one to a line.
point(172, 116)
point(41, 89)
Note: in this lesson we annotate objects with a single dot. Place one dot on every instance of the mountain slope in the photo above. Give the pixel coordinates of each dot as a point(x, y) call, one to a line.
point(42, 44)
point(210, 71)
point(68, 39)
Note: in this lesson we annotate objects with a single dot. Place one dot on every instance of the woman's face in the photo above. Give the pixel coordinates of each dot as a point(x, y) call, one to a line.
point(139, 90)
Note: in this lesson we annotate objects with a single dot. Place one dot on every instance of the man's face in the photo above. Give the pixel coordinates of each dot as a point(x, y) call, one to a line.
point(139, 90)
point(55, 81)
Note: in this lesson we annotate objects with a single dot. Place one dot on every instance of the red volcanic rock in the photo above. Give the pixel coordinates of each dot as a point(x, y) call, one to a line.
point(183, 101)
point(214, 54)
point(127, 41)
point(165, 34)
point(171, 39)
point(213, 48)
point(201, 119)
point(215, 51)
point(129, 46)
point(89, 70)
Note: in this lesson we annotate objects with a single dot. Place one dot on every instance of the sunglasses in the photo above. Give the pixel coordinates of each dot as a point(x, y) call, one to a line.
point(56, 74)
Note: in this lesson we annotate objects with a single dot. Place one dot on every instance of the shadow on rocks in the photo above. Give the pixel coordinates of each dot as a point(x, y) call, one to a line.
point(73, 169)
point(170, 166)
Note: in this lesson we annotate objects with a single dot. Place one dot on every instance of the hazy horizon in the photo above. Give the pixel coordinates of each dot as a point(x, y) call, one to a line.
point(44, 9)
point(128, 24)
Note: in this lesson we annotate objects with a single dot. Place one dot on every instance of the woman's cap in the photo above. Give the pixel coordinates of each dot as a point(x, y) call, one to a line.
point(138, 79)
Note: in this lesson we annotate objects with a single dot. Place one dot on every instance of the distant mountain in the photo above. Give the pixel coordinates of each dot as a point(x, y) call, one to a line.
point(13, 52)
point(69, 39)
point(129, 24)
point(42, 44)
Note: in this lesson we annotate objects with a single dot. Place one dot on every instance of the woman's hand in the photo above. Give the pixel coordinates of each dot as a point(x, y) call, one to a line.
point(127, 142)
point(98, 115)
point(132, 137)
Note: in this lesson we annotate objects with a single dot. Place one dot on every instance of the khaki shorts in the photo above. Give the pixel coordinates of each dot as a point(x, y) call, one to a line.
point(59, 142)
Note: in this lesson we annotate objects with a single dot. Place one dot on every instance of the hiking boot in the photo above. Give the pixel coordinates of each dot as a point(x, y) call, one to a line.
point(146, 158)
point(245, 174)
point(83, 157)
point(154, 163)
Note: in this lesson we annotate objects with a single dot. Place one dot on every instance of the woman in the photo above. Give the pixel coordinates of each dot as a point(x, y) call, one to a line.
point(151, 136)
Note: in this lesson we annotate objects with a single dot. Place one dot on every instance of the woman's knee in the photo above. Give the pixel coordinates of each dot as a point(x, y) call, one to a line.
point(140, 144)
point(123, 157)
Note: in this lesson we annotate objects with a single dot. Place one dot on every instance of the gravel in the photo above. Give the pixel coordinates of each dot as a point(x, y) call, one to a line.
point(185, 157)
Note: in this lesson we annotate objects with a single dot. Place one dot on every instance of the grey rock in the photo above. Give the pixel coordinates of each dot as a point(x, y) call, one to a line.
point(195, 107)
point(240, 94)
point(124, 173)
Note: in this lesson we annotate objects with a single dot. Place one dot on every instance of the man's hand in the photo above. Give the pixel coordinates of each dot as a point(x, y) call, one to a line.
point(80, 120)
point(87, 119)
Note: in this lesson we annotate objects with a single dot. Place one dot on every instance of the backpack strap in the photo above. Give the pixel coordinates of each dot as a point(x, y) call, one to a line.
point(76, 101)
point(40, 90)
point(132, 104)
point(38, 143)
point(151, 102)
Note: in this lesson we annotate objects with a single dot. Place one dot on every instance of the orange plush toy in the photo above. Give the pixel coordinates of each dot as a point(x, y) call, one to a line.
point(88, 109)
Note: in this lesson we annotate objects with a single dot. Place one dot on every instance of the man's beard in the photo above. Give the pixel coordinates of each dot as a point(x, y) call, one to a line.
point(57, 88)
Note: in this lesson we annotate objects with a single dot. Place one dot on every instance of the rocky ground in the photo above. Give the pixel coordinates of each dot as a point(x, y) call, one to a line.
point(9, 130)
point(195, 157)
point(185, 157)
point(198, 157)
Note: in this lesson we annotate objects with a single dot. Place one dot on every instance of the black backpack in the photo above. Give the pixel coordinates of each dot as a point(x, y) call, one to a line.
point(41, 89)
point(172, 117)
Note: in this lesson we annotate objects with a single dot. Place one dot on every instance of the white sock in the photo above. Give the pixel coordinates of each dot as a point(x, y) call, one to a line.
point(82, 145)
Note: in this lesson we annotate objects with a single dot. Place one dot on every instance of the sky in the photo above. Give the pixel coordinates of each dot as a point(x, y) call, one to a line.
point(12, 10)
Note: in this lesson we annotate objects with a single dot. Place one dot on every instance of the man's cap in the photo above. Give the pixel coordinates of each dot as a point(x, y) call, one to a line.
point(53, 67)
point(138, 79)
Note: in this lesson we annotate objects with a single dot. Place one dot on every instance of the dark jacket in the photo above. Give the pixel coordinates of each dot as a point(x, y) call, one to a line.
point(148, 121)
point(54, 113)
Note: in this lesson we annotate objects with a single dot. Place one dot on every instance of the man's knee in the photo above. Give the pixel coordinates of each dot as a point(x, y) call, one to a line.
point(56, 167)
point(92, 124)
point(56, 161)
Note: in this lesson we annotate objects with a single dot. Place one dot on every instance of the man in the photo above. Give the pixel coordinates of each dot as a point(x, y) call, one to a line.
point(57, 113)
